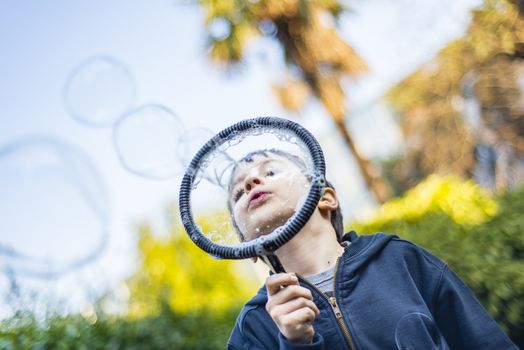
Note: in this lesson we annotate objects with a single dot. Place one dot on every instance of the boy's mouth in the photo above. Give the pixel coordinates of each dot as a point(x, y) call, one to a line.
point(257, 197)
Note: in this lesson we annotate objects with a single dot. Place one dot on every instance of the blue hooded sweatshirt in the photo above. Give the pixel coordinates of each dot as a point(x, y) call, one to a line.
point(389, 294)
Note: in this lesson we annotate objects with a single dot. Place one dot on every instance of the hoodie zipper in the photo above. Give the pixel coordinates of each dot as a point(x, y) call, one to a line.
point(334, 306)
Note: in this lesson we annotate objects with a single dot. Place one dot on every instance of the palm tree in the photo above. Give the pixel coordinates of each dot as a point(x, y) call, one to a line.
point(318, 57)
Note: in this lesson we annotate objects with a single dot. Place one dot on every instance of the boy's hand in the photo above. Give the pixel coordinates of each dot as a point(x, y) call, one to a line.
point(291, 307)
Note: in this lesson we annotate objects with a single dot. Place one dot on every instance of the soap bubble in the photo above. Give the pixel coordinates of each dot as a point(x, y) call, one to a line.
point(418, 331)
point(270, 155)
point(219, 28)
point(189, 144)
point(146, 140)
point(268, 28)
point(53, 208)
point(220, 171)
point(99, 91)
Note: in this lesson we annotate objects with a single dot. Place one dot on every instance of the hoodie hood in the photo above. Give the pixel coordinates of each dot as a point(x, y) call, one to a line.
point(364, 248)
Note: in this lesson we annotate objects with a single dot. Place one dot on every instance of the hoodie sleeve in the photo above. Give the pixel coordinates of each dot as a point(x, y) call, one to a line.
point(255, 330)
point(462, 319)
point(245, 336)
point(284, 344)
point(316, 344)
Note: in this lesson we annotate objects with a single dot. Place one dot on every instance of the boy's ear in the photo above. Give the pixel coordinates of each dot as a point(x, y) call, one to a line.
point(329, 200)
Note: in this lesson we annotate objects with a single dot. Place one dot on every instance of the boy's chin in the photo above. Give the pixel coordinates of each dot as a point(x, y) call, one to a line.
point(264, 221)
point(265, 228)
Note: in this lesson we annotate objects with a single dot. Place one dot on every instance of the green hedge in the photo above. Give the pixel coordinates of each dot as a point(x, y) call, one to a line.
point(488, 255)
point(168, 330)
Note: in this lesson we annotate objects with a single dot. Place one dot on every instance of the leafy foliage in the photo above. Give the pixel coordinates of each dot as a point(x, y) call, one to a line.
point(481, 239)
point(168, 330)
point(185, 277)
point(462, 113)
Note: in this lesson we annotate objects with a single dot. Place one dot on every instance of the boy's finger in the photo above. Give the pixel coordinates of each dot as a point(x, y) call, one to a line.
point(303, 315)
point(289, 293)
point(275, 282)
point(294, 305)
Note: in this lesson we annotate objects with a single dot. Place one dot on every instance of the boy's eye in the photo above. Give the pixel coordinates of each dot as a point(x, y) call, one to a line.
point(270, 173)
point(238, 194)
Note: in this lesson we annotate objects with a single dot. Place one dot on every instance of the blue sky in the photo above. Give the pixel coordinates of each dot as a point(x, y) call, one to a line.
point(162, 44)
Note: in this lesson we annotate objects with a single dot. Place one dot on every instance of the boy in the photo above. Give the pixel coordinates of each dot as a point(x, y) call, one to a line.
point(345, 292)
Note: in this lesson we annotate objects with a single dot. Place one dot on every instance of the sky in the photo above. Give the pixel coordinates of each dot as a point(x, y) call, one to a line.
point(161, 43)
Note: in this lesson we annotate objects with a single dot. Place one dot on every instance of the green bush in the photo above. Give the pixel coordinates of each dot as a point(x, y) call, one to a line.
point(486, 250)
point(168, 330)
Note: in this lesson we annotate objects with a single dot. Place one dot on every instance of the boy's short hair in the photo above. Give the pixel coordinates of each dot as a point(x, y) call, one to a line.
point(335, 216)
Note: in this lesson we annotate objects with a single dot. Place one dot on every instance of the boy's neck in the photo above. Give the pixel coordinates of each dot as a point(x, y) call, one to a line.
point(313, 250)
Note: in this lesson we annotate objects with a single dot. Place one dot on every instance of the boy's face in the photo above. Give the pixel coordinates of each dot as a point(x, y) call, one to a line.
point(265, 192)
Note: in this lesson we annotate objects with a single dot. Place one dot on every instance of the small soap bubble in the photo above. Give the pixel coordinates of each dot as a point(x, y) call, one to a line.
point(257, 131)
point(234, 141)
point(418, 331)
point(54, 208)
point(220, 169)
point(190, 142)
point(267, 28)
point(99, 91)
point(219, 28)
point(216, 168)
point(215, 237)
point(146, 141)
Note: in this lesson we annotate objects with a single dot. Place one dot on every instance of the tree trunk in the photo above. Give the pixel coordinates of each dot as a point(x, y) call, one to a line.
point(370, 173)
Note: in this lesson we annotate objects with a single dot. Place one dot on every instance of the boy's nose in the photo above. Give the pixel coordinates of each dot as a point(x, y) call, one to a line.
point(251, 182)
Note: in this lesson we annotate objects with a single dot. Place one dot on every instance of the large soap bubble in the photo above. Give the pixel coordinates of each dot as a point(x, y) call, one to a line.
point(146, 140)
point(99, 91)
point(53, 207)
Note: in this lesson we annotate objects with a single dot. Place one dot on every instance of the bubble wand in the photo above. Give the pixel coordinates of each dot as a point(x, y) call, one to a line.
point(263, 246)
